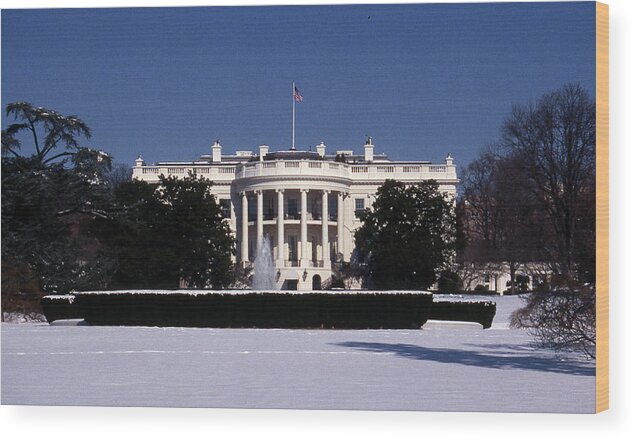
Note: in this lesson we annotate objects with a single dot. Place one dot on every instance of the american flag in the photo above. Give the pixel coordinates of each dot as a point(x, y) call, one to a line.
point(297, 95)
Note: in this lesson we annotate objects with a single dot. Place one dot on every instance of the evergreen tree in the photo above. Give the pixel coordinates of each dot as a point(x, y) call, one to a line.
point(162, 235)
point(408, 236)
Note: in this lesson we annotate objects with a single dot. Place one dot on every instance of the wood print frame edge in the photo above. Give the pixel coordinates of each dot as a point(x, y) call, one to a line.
point(602, 207)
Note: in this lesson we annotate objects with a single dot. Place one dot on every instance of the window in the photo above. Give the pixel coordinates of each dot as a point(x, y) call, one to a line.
point(269, 210)
point(225, 208)
point(253, 209)
point(332, 208)
point(359, 206)
point(292, 208)
point(292, 248)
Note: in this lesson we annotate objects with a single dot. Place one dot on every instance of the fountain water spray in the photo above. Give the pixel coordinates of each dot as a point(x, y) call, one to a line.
point(264, 271)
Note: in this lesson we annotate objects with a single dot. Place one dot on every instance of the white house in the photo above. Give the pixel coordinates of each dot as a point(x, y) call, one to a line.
point(305, 202)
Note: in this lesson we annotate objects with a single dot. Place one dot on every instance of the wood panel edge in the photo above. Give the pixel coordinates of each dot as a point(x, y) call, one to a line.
point(602, 207)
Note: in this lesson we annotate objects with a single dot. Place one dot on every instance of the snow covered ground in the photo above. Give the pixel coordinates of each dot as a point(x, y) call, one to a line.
point(442, 367)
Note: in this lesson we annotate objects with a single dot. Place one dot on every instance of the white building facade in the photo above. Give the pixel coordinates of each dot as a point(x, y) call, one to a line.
point(305, 202)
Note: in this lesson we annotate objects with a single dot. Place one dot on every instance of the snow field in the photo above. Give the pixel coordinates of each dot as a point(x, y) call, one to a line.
point(442, 367)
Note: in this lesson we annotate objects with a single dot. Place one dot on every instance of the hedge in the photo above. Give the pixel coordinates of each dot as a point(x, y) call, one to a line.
point(231, 309)
point(481, 312)
point(341, 310)
point(60, 307)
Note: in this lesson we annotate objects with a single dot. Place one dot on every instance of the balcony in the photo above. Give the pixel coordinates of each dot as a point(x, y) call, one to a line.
point(312, 168)
point(292, 168)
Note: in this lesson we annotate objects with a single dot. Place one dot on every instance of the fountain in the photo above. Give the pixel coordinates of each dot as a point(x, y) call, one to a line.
point(264, 271)
point(263, 306)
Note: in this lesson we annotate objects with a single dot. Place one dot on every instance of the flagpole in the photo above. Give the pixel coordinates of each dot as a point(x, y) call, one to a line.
point(293, 99)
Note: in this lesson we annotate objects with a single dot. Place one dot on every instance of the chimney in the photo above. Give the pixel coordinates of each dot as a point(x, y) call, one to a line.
point(139, 162)
point(264, 150)
point(216, 152)
point(321, 149)
point(369, 150)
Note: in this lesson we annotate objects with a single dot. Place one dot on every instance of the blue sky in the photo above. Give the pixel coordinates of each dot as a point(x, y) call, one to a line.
point(423, 80)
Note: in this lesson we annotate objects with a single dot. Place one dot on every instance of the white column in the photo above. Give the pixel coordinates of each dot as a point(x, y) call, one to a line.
point(244, 243)
point(260, 220)
point(325, 248)
point(304, 229)
point(280, 228)
point(340, 223)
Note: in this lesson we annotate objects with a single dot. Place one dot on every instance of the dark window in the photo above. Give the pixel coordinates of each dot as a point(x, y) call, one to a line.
point(225, 208)
point(269, 210)
point(332, 208)
point(292, 248)
point(292, 208)
point(359, 206)
point(253, 209)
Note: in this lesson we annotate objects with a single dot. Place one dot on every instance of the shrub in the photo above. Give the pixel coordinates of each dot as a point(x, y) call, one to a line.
point(562, 319)
point(449, 282)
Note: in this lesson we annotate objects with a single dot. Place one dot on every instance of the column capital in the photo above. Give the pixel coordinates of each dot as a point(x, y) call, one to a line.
point(326, 191)
point(243, 193)
point(304, 190)
point(279, 190)
point(258, 191)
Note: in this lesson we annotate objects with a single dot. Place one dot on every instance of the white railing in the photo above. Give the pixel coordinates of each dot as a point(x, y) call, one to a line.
point(402, 172)
point(152, 173)
point(355, 172)
point(291, 167)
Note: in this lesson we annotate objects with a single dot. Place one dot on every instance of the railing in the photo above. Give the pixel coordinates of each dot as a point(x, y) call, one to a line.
point(152, 173)
point(402, 172)
point(291, 216)
point(302, 167)
point(291, 167)
point(358, 169)
point(310, 263)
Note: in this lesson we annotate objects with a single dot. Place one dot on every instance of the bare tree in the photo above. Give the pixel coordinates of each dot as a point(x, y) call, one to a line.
point(498, 215)
point(554, 141)
point(561, 319)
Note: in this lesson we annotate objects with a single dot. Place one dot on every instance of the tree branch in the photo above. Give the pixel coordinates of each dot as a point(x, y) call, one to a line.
point(37, 144)
point(57, 156)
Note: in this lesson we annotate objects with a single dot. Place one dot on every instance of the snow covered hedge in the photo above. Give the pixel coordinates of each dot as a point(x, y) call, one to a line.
point(60, 307)
point(481, 312)
point(267, 309)
point(249, 309)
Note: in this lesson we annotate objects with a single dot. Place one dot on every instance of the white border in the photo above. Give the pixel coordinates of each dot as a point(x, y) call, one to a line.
point(95, 422)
